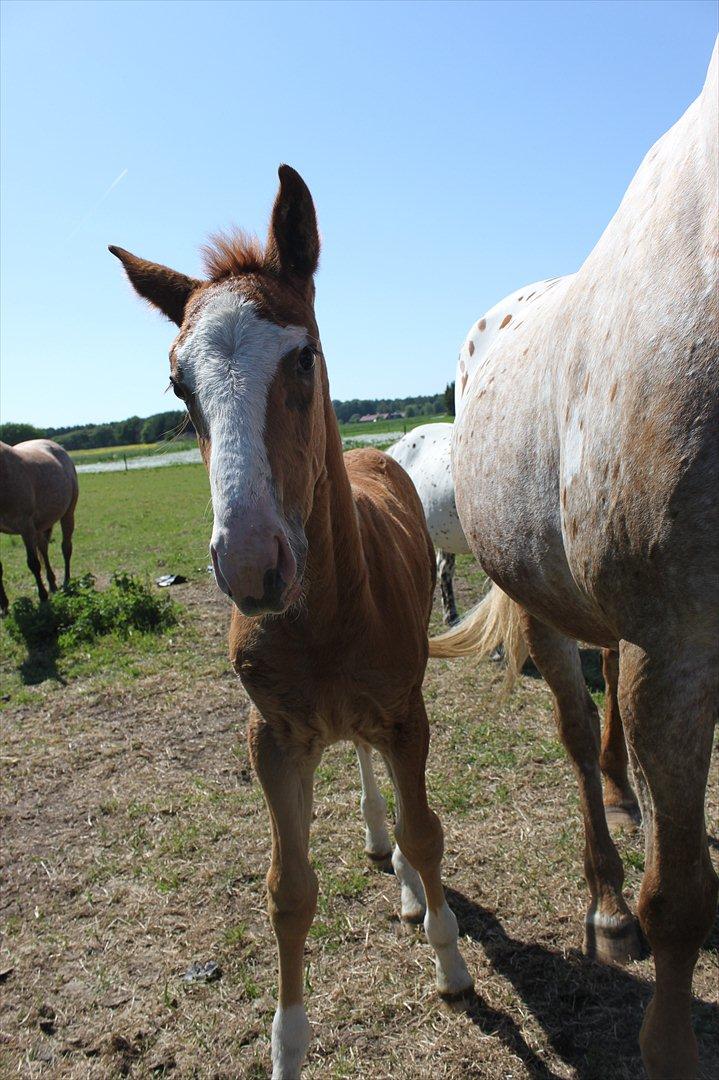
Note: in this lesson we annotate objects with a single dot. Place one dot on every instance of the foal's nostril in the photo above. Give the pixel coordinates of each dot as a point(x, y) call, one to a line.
point(219, 576)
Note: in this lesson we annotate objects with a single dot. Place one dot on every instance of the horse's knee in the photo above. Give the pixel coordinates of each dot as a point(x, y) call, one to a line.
point(292, 899)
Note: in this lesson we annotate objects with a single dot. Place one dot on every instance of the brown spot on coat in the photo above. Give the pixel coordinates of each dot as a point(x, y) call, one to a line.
point(470, 348)
point(482, 324)
point(505, 322)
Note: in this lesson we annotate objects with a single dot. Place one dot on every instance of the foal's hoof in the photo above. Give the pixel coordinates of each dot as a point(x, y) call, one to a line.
point(456, 997)
point(625, 815)
point(614, 941)
point(382, 863)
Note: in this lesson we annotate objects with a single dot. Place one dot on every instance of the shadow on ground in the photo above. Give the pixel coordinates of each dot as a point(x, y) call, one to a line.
point(591, 1012)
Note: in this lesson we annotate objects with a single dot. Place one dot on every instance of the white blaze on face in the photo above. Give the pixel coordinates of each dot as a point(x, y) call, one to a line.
point(229, 360)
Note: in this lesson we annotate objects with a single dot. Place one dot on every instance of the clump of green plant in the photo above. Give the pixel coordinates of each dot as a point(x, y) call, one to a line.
point(79, 613)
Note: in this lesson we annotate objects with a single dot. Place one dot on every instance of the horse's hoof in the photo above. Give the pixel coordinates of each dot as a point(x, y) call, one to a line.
point(460, 992)
point(413, 916)
point(614, 941)
point(623, 816)
point(382, 863)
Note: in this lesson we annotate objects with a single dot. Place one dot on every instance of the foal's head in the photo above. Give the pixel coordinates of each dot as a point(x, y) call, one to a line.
point(247, 363)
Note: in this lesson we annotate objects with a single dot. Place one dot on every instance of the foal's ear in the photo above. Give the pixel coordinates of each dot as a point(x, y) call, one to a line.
point(293, 245)
point(165, 288)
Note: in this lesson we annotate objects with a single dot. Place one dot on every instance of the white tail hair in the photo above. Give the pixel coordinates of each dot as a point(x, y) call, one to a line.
point(494, 621)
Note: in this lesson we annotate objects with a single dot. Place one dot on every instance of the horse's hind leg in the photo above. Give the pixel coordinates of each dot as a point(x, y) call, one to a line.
point(611, 930)
point(620, 802)
point(67, 524)
point(30, 539)
point(420, 839)
point(291, 885)
point(445, 573)
point(4, 603)
point(669, 703)
point(43, 541)
point(378, 846)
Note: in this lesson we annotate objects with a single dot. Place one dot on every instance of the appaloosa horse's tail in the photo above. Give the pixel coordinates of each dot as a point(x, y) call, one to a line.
point(494, 621)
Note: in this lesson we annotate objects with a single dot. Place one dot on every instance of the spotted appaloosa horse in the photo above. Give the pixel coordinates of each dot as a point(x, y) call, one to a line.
point(586, 466)
point(38, 487)
point(327, 559)
point(425, 455)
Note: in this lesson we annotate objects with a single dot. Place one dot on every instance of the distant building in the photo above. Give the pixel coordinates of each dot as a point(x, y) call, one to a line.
point(372, 418)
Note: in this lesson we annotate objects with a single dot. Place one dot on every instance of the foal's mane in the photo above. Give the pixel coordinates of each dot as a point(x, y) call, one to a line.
point(227, 254)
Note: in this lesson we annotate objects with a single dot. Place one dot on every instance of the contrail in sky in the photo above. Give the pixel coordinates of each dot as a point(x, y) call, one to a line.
point(101, 200)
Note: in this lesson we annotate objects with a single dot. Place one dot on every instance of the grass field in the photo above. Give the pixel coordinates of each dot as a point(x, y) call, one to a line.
point(380, 426)
point(133, 450)
point(135, 842)
point(348, 431)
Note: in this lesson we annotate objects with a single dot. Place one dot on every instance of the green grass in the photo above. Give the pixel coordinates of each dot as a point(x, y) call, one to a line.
point(147, 522)
point(134, 450)
point(382, 426)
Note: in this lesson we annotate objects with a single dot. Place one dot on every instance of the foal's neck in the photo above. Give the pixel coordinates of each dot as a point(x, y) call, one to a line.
point(336, 574)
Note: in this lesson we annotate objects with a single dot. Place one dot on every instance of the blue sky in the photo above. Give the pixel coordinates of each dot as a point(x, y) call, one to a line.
point(456, 151)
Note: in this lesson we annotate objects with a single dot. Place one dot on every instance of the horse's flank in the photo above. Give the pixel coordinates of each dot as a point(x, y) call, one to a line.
point(38, 487)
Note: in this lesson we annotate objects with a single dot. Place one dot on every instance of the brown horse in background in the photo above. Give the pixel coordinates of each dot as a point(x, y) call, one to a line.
point(38, 487)
point(328, 561)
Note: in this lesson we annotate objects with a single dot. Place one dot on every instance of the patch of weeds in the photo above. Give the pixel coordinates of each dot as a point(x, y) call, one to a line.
point(235, 935)
point(167, 883)
point(80, 613)
point(634, 859)
point(250, 988)
point(181, 841)
point(328, 934)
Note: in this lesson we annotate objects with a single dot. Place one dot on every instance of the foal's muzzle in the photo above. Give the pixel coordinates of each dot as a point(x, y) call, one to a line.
point(254, 565)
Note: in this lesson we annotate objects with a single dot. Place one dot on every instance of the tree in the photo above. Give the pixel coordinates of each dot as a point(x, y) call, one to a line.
point(449, 399)
point(16, 433)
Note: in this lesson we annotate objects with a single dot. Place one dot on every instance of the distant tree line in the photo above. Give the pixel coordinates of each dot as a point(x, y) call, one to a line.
point(166, 425)
point(348, 412)
point(117, 433)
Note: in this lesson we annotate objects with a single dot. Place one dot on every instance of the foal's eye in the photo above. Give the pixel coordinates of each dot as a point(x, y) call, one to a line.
point(177, 389)
point(306, 359)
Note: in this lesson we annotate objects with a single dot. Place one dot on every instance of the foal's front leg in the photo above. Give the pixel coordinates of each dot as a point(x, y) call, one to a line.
point(292, 887)
point(421, 843)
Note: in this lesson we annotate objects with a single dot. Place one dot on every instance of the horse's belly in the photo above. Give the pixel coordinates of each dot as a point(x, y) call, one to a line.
point(440, 510)
point(506, 474)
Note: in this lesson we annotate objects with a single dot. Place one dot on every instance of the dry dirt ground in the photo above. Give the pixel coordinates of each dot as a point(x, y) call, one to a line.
point(135, 842)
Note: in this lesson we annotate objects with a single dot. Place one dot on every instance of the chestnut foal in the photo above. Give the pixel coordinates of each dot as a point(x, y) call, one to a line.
point(325, 558)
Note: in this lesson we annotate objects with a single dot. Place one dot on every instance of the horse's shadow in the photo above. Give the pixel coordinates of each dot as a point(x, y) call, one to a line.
point(40, 663)
point(591, 1013)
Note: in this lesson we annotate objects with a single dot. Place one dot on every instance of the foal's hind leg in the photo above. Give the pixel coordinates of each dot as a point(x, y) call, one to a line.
point(378, 846)
point(67, 524)
point(43, 540)
point(669, 703)
point(620, 802)
point(445, 573)
point(611, 930)
point(291, 885)
point(30, 539)
point(420, 839)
